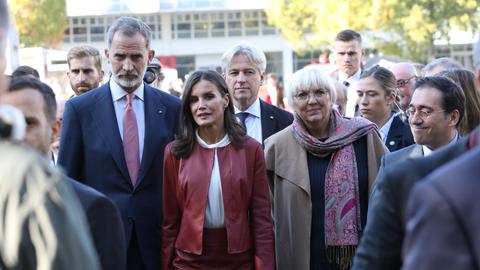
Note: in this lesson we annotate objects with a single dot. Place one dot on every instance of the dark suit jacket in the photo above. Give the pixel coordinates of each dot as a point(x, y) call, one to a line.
point(442, 218)
point(91, 151)
point(399, 135)
point(274, 119)
point(381, 243)
point(105, 225)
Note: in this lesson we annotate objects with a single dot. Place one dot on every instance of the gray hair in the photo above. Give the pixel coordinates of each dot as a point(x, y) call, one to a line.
point(130, 26)
point(446, 62)
point(254, 54)
point(309, 78)
point(476, 55)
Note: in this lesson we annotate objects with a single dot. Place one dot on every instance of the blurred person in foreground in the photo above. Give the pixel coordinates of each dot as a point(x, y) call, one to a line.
point(84, 68)
point(37, 102)
point(321, 169)
point(466, 80)
point(378, 102)
point(215, 194)
point(42, 223)
point(435, 111)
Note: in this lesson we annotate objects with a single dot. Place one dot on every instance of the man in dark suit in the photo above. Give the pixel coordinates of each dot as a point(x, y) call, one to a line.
point(37, 102)
point(442, 215)
point(113, 140)
point(442, 218)
point(243, 67)
point(435, 111)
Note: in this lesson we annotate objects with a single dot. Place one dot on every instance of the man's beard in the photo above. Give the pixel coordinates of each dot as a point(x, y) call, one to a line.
point(128, 80)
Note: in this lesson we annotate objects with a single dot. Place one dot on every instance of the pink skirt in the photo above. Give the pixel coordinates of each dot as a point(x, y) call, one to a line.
point(215, 255)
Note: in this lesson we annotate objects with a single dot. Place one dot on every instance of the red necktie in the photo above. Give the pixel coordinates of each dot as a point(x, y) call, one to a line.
point(130, 140)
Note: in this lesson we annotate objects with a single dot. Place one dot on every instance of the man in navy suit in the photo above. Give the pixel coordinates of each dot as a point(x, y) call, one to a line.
point(113, 140)
point(37, 102)
point(243, 67)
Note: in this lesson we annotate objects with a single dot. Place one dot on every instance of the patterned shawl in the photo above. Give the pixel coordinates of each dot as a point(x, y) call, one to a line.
point(342, 203)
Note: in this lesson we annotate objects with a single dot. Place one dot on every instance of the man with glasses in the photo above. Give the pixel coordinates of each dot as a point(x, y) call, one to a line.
point(434, 112)
point(405, 74)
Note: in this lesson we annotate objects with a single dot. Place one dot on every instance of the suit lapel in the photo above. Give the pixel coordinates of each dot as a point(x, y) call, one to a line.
point(268, 120)
point(154, 121)
point(394, 133)
point(106, 121)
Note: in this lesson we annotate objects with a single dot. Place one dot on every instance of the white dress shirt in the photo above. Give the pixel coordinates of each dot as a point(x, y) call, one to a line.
point(120, 103)
point(386, 128)
point(253, 122)
point(352, 96)
point(214, 213)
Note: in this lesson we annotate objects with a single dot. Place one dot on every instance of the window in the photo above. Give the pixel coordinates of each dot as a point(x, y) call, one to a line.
point(274, 62)
point(217, 22)
point(97, 33)
point(79, 34)
point(201, 25)
point(185, 65)
point(251, 23)
point(182, 26)
point(300, 61)
point(266, 28)
point(234, 24)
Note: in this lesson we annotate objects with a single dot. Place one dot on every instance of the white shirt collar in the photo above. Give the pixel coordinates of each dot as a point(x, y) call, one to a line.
point(118, 92)
point(427, 151)
point(223, 142)
point(355, 77)
point(254, 109)
point(386, 128)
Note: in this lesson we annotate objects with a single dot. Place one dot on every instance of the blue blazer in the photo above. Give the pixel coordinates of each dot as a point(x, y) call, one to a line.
point(399, 135)
point(91, 151)
point(101, 214)
point(273, 119)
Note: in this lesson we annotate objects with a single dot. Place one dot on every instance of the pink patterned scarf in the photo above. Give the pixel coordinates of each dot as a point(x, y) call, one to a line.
point(342, 203)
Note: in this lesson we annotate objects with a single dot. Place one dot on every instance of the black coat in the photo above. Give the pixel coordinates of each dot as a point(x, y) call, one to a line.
point(381, 244)
point(399, 136)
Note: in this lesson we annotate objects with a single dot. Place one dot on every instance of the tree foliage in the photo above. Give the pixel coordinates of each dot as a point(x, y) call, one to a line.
point(404, 28)
point(39, 22)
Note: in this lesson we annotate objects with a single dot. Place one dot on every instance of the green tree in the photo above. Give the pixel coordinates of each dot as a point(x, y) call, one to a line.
point(39, 22)
point(404, 28)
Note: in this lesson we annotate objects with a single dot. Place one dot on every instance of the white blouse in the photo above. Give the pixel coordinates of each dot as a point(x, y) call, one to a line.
point(214, 213)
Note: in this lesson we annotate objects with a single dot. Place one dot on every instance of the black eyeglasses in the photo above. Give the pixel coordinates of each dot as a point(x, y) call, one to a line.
point(402, 83)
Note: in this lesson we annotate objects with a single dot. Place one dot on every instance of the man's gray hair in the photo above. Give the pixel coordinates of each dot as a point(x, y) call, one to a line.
point(130, 26)
point(476, 54)
point(446, 62)
point(254, 54)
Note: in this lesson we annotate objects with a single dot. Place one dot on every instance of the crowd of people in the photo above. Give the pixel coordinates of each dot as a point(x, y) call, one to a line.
point(360, 169)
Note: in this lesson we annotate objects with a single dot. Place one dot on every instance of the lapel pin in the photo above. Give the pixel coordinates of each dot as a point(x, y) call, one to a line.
point(271, 117)
point(160, 111)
